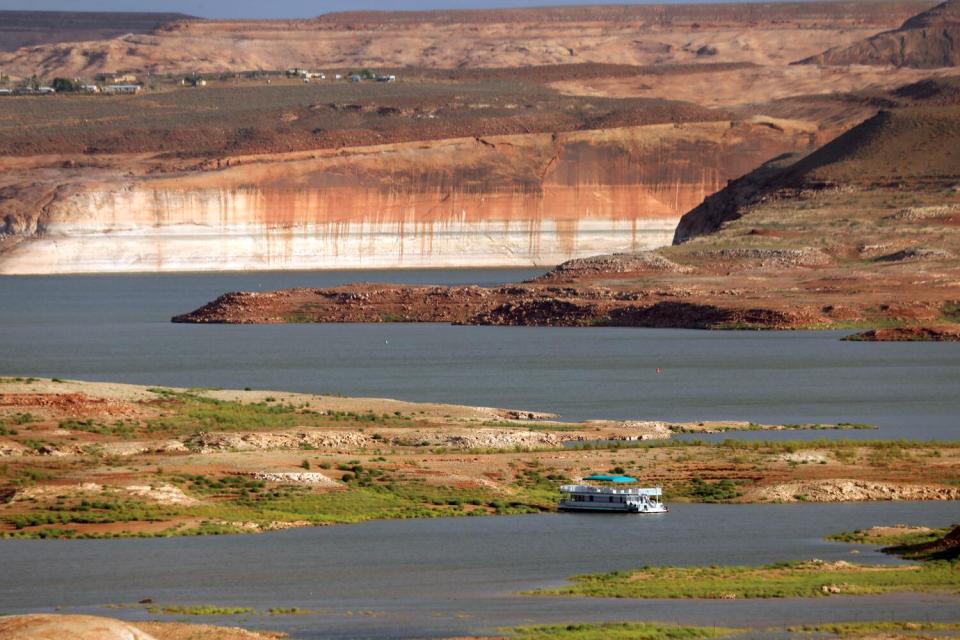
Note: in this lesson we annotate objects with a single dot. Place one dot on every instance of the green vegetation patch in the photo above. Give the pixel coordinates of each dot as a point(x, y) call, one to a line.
point(103, 511)
point(783, 580)
point(950, 311)
point(200, 610)
point(854, 629)
point(618, 631)
point(118, 428)
point(719, 491)
point(187, 412)
point(366, 500)
point(232, 502)
point(290, 611)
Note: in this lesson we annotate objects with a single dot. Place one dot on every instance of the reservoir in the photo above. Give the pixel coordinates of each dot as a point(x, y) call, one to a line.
point(456, 576)
point(117, 328)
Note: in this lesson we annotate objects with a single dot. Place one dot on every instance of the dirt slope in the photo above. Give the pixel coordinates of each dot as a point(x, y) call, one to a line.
point(927, 40)
point(33, 28)
point(918, 144)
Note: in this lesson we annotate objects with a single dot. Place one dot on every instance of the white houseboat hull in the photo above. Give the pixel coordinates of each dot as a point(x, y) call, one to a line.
point(610, 508)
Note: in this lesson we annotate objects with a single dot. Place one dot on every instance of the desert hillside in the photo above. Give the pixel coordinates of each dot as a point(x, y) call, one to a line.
point(910, 147)
point(928, 40)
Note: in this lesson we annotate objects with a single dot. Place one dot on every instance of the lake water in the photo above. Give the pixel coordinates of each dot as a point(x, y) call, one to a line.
point(407, 579)
point(423, 578)
point(117, 328)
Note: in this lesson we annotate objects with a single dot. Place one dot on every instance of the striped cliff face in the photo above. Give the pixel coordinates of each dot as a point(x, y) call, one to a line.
point(503, 201)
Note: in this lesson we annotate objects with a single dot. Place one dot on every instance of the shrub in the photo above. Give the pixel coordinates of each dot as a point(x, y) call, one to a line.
point(713, 492)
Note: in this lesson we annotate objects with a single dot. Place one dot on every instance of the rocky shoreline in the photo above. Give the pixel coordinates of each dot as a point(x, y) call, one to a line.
point(908, 334)
point(515, 305)
point(103, 460)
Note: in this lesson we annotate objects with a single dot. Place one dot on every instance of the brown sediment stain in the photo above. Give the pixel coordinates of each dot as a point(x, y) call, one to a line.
point(567, 235)
point(618, 181)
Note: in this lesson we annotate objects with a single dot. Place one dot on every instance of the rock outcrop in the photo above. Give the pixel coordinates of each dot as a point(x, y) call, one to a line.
point(519, 305)
point(946, 548)
point(524, 200)
point(499, 439)
point(162, 493)
point(908, 334)
point(259, 441)
point(312, 478)
point(728, 203)
point(841, 490)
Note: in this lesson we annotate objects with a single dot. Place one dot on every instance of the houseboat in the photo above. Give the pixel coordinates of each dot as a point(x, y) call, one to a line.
point(610, 494)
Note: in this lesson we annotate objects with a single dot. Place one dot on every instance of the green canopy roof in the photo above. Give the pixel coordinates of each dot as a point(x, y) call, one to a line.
point(603, 477)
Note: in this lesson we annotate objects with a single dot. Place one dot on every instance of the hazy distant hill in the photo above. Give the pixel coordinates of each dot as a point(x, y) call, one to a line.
point(927, 40)
point(30, 28)
point(759, 33)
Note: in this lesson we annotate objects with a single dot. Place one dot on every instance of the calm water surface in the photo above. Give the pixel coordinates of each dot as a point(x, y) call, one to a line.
point(117, 328)
point(409, 579)
point(419, 578)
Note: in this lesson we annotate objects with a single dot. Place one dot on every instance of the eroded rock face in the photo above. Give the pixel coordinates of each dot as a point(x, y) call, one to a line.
point(499, 439)
point(295, 477)
point(162, 493)
point(46, 626)
point(212, 442)
point(841, 490)
point(526, 200)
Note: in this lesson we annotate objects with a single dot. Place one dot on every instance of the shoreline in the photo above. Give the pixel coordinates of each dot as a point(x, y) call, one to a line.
point(82, 459)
